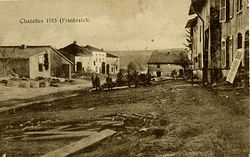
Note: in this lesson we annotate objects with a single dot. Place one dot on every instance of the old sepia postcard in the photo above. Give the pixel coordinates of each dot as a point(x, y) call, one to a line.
point(124, 78)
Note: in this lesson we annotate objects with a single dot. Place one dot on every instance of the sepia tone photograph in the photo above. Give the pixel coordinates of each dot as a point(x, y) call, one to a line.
point(124, 78)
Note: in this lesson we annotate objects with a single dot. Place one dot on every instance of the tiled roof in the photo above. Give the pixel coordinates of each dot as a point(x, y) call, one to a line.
point(92, 48)
point(168, 56)
point(25, 52)
point(111, 55)
point(196, 5)
point(76, 50)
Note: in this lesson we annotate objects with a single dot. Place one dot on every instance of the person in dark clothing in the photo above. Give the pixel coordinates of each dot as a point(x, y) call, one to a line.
point(130, 79)
point(93, 78)
point(109, 82)
point(97, 83)
point(148, 77)
point(136, 77)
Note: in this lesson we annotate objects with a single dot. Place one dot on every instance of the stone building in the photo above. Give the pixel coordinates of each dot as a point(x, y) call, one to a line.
point(34, 61)
point(91, 59)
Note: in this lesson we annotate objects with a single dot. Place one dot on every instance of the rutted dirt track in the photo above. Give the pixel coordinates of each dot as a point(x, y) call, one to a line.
point(174, 121)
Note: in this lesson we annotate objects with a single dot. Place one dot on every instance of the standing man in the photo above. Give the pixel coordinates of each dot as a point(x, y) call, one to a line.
point(93, 78)
point(109, 81)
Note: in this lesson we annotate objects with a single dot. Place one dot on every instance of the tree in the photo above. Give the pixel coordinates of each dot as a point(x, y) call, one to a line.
point(132, 66)
point(184, 61)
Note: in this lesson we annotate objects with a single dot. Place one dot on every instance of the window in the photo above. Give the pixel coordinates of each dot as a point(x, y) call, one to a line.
point(231, 41)
point(158, 66)
point(223, 10)
point(239, 6)
point(100, 60)
point(40, 67)
point(199, 60)
point(40, 63)
point(231, 9)
point(46, 61)
point(246, 55)
point(227, 55)
point(94, 63)
point(223, 53)
point(239, 43)
point(200, 33)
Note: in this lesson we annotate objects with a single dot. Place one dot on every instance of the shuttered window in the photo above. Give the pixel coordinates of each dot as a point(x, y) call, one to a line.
point(223, 10)
point(227, 55)
point(231, 9)
point(239, 5)
point(223, 53)
point(246, 55)
point(239, 41)
point(231, 40)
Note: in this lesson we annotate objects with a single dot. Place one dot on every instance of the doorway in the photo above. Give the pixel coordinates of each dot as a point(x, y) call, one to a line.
point(107, 68)
point(205, 57)
point(78, 66)
point(103, 67)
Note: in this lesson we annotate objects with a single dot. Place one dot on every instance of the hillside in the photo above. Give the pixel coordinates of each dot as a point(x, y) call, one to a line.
point(140, 56)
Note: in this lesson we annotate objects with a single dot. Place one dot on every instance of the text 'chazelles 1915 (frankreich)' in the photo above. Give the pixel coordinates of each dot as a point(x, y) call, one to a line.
point(54, 20)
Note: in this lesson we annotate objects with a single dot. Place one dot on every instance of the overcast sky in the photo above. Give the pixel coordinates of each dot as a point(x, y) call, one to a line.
point(114, 24)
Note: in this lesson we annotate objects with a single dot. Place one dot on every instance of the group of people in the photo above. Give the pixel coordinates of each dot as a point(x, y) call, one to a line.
point(122, 79)
point(97, 83)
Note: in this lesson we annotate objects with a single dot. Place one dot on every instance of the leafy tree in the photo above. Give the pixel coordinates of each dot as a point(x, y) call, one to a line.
point(184, 61)
point(132, 66)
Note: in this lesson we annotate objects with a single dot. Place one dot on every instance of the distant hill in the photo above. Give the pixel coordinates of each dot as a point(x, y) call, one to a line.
point(139, 56)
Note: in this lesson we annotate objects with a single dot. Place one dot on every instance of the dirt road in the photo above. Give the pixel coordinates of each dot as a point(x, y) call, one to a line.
point(184, 121)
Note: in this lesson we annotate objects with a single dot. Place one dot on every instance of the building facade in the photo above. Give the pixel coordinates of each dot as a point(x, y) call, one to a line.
point(234, 19)
point(34, 61)
point(220, 28)
point(163, 62)
point(90, 59)
point(205, 32)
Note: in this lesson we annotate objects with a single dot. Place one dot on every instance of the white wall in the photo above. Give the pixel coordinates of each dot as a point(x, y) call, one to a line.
point(86, 61)
point(114, 64)
point(33, 65)
point(98, 57)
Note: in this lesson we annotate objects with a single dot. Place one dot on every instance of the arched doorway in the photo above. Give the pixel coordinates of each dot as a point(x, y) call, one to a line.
point(107, 68)
point(103, 67)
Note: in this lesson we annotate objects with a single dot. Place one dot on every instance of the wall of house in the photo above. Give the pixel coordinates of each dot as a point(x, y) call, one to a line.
point(114, 65)
point(238, 23)
point(57, 62)
point(98, 58)
point(34, 62)
point(20, 66)
point(86, 62)
point(165, 69)
point(200, 36)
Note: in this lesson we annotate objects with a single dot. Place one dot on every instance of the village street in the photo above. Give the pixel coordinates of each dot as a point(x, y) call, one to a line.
point(170, 119)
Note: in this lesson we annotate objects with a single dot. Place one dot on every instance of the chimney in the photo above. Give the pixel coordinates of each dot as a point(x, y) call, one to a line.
point(23, 46)
point(74, 42)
